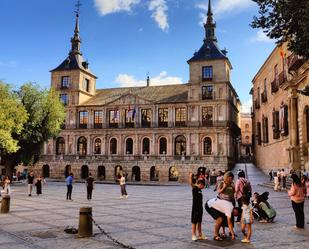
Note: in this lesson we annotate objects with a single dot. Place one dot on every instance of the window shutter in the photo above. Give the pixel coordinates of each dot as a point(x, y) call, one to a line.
point(286, 121)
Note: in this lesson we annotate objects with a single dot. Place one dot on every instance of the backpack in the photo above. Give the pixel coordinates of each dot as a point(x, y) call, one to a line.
point(246, 189)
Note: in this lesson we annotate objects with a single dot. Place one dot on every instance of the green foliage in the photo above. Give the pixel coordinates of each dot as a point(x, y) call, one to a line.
point(12, 117)
point(285, 20)
point(45, 114)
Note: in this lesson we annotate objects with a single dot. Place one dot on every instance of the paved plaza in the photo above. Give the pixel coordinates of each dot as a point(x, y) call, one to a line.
point(152, 217)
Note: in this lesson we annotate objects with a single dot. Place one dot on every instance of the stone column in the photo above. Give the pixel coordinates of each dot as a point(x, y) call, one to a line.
point(294, 148)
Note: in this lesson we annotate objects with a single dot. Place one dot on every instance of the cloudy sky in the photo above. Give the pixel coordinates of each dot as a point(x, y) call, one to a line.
point(123, 40)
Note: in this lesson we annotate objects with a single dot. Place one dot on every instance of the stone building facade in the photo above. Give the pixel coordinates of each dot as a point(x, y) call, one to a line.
point(281, 111)
point(151, 132)
point(246, 136)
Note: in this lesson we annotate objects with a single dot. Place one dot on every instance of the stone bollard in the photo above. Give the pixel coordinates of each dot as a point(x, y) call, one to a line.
point(5, 204)
point(85, 222)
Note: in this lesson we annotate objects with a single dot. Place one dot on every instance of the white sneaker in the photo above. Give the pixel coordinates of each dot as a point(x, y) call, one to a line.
point(121, 197)
point(202, 237)
point(126, 196)
point(194, 238)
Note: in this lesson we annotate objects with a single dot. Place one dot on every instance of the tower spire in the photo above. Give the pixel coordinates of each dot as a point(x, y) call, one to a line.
point(75, 40)
point(210, 25)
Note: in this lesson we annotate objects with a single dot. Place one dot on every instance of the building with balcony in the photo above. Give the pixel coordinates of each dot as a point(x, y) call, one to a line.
point(151, 132)
point(281, 112)
point(246, 137)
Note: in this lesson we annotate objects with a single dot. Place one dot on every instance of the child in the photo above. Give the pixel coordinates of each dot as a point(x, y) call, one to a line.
point(276, 182)
point(246, 220)
point(197, 207)
point(122, 182)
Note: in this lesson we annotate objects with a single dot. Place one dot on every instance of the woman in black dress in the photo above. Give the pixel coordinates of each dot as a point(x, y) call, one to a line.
point(39, 182)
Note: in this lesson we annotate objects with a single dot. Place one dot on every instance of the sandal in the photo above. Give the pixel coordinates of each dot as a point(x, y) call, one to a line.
point(222, 235)
point(218, 238)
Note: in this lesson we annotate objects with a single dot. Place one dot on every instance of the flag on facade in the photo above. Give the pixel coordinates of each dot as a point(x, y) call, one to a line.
point(134, 112)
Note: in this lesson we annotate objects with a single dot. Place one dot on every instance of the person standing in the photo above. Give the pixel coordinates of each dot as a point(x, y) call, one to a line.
point(197, 207)
point(30, 183)
point(122, 183)
point(39, 182)
point(246, 220)
point(271, 175)
point(69, 181)
point(283, 177)
point(243, 191)
point(6, 186)
point(90, 186)
point(296, 194)
point(276, 182)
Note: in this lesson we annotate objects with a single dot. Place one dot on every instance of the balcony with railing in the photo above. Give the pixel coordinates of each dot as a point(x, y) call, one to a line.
point(207, 123)
point(264, 97)
point(282, 78)
point(180, 123)
point(274, 86)
point(295, 62)
point(257, 104)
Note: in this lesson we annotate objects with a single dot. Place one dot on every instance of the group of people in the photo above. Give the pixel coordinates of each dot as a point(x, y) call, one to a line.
point(233, 200)
point(90, 183)
point(37, 182)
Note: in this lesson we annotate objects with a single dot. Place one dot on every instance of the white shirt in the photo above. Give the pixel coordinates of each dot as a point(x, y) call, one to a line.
point(223, 206)
point(122, 180)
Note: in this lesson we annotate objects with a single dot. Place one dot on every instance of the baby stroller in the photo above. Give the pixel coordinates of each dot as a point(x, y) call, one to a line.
point(262, 210)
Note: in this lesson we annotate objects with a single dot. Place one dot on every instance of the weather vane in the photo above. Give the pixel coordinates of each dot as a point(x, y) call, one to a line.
point(77, 7)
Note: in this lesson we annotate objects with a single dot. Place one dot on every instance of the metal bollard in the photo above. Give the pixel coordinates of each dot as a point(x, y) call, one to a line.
point(5, 204)
point(85, 222)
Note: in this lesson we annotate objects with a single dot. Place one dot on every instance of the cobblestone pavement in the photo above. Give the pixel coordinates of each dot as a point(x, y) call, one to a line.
point(152, 217)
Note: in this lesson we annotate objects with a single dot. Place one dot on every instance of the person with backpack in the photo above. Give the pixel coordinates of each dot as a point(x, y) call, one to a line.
point(243, 190)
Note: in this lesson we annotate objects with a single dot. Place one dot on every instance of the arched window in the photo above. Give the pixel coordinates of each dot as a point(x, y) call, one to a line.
point(136, 174)
point(207, 146)
point(154, 174)
point(97, 146)
point(180, 145)
point(45, 171)
point(129, 146)
point(146, 143)
point(118, 172)
point(101, 172)
point(247, 139)
point(163, 146)
point(67, 171)
point(173, 174)
point(82, 146)
point(113, 146)
point(60, 146)
point(84, 173)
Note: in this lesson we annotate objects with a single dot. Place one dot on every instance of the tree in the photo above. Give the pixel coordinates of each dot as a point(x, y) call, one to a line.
point(12, 117)
point(285, 20)
point(46, 114)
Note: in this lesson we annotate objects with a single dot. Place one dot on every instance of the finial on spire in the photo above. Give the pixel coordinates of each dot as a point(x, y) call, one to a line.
point(77, 5)
point(209, 8)
point(75, 40)
point(148, 79)
point(210, 25)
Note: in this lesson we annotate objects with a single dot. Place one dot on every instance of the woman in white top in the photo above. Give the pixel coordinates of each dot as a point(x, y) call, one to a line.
point(122, 182)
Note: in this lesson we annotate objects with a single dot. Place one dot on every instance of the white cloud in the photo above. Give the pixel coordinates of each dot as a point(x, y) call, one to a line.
point(111, 6)
point(246, 106)
point(261, 37)
point(159, 13)
point(222, 6)
point(126, 80)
